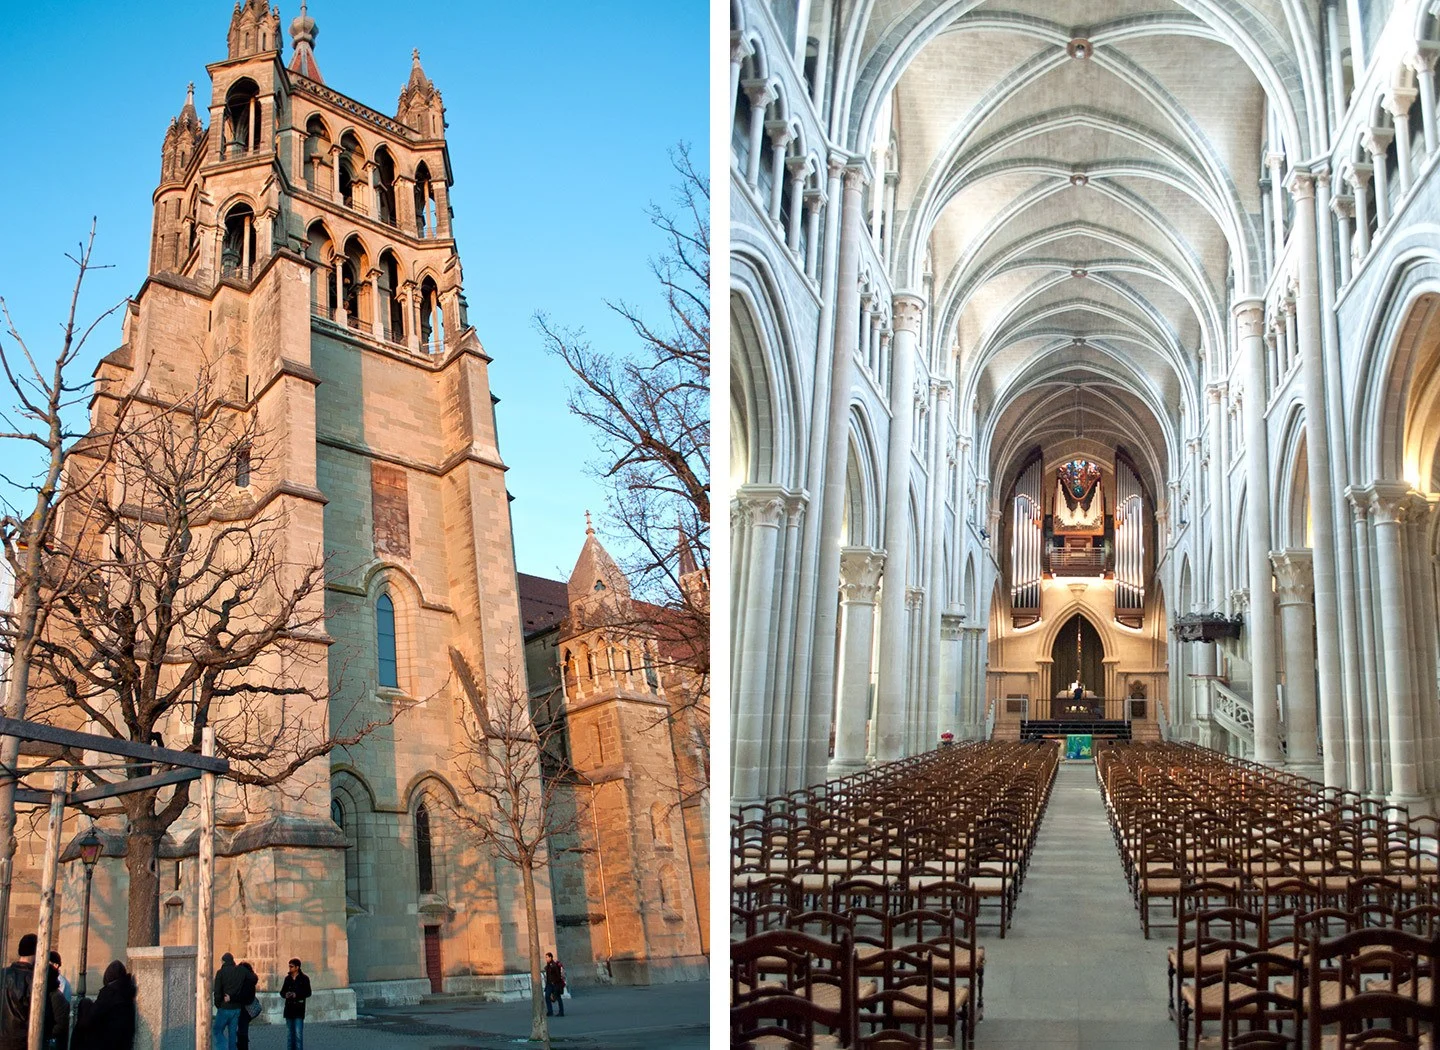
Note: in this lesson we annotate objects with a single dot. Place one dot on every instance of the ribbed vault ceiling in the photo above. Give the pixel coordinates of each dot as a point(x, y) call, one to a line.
point(1080, 216)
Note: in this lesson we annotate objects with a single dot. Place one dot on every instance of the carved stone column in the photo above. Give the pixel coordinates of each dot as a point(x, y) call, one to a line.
point(1391, 506)
point(1295, 588)
point(954, 716)
point(891, 691)
point(1260, 624)
point(765, 509)
point(859, 581)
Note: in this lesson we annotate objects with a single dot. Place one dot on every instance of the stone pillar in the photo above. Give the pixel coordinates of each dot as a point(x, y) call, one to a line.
point(1352, 697)
point(1343, 205)
point(739, 50)
point(1422, 61)
point(780, 136)
point(1317, 455)
point(1377, 141)
point(766, 511)
point(1219, 528)
point(761, 94)
point(1250, 318)
point(799, 170)
point(1359, 179)
point(846, 294)
point(165, 1007)
point(935, 527)
point(1268, 247)
point(340, 317)
point(1397, 103)
point(814, 200)
point(1296, 590)
point(1355, 23)
point(954, 717)
point(1391, 507)
point(891, 691)
point(1376, 774)
point(917, 717)
point(859, 580)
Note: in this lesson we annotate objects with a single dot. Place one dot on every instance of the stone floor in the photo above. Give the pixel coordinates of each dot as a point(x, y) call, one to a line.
point(672, 1015)
point(1074, 972)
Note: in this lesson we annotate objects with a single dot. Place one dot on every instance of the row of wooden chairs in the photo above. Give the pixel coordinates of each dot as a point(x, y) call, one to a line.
point(856, 906)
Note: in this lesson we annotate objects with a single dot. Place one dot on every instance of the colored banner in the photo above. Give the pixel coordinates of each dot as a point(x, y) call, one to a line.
point(1080, 746)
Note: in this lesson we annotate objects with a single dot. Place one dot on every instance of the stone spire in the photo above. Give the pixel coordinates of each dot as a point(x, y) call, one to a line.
point(596, 577)
point(182, 139)
point(687, 556)
point(254, 29)
point(421, 106)
point(303, 32)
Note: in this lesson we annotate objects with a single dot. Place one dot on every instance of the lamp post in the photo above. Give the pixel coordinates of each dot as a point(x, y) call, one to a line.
point(90, 848)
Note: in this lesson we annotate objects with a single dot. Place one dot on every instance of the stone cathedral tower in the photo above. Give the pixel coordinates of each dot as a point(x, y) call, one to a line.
point(302, 246)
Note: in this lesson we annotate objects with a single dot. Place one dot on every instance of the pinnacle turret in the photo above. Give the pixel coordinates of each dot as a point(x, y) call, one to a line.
point(182, 139)
point(254, 29)
point(421, 106)
point(303, 32)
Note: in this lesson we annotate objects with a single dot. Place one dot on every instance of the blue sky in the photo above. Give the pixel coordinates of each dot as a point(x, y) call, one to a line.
point(560, 117)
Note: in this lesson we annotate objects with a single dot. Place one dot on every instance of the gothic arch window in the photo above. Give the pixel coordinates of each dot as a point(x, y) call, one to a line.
point(319, 249)
point(347, 820)
point(432, 320)
point(356, 289)
point(392, 314)
point(191, 221)
point(241, 126)
point(669, 892)
point(385, 186)
point(652, 679)
point(317, 155)
point(389, 669)
point(237, 252)
point(424, 850)
point(426, 217)
point(348, 180)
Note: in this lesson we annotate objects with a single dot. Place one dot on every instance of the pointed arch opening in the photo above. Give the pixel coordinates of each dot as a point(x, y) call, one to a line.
point(241, 127)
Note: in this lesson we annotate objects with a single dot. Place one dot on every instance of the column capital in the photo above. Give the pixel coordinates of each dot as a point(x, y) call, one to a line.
point(906, 309)
point(1250, 314)
point(780, 132)
point(814, 198)
point(1376, 141)
point(1294, 576)
point(1392, 502)
point(1397, 103)
point(962, 443)
point(799, 167)
point(1215, 392)
point(1275, 160)
point(1343, 205)
point(914, 598)
point(1301, 184)
point(740, 46)
point(1421, 58)
point(1240, 599)
point(952, 626)
point(943, 389)
point(760, 92)
point(1359, 175)
point(766, 505)
point(860, 569)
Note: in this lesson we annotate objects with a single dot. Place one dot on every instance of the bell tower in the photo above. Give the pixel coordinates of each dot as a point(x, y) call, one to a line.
point(302, 253)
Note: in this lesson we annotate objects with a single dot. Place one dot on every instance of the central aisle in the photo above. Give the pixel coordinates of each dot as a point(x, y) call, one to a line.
point(1073, 972)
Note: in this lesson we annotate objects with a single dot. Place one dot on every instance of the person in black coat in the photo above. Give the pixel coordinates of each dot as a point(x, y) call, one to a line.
point(107, 1022)
point(295, 991)
point(250, 980)
point(15, 1000)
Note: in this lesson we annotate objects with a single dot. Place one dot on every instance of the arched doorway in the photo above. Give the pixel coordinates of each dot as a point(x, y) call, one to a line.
point(1078, 655)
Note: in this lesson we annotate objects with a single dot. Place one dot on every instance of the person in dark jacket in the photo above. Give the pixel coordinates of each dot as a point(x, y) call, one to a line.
point(228, 984)
point(554, 974)
point(250, 981)
point(295, 991)
point(107, 1022)
point(15, 986)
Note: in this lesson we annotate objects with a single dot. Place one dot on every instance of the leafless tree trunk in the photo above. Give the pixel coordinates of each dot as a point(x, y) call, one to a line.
point(649, 408)
point(516, 770)
point(187, 610)
point(42, 393)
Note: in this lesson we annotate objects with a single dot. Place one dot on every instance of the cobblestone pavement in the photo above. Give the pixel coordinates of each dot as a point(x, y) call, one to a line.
point(671, 1016)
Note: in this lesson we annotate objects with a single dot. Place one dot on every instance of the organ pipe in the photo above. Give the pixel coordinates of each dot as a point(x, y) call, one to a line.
point(1025, 545)
point(1129, 539)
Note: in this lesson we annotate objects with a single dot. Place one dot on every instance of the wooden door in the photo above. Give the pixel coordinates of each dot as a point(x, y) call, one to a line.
point(432, 959)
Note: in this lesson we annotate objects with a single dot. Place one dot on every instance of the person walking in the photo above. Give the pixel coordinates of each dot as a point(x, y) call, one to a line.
point(107, 1022)
point(295, 991)
point(15, 986)
point(249, 1007)
point(554, 984)
point(229, 982)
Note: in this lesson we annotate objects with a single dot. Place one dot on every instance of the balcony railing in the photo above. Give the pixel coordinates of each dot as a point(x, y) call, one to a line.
point(1082, 561)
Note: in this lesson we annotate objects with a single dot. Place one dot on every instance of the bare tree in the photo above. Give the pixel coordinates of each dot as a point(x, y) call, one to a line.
point(649, 408)
point(189, 609)
point(44, 395)
point(516, 772)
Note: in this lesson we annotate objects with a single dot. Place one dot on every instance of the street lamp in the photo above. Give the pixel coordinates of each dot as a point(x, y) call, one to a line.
point(90, 848)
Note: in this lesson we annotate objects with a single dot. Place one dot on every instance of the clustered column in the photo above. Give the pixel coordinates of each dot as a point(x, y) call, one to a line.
point(890, 699)
point(765, 510)
point(859, 581)
point(1296, 590)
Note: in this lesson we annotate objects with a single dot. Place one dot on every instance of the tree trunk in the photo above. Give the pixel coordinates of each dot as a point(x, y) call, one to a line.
point(141, 857)
point(539, 1029)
